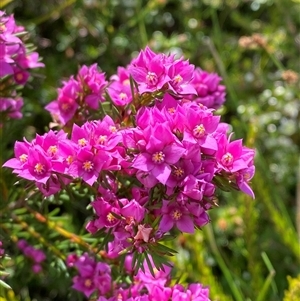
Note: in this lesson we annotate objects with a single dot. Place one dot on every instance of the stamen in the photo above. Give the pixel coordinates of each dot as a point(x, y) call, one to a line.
point(123, 96)
point(23, 158)
point(102, 139)
point(88, 283)
point(52, 150)
point(176, 214)
point(199, 131)
point(82, 142)
point(178, 172)
point(171, 110)
point(151, 78)
point(177, 79)
point(65, 107)
point(70, 159)
point(227, 159)
point(39, 168)
point(112, 128)
point(110, 218)
point(88, 166)
point(158, 157)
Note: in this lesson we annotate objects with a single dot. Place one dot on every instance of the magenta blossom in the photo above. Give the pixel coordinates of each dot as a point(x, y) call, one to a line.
point(92, 83)
point(209, 91)
point(12, 107)
point(175, 214)
point(149, 71)
point(119, 89)
point(162, 149)
point(64, 108)
point(181, 73)
point(89, 165)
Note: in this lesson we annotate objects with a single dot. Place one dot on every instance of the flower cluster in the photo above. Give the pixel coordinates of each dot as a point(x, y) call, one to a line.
point(153, 75)
point(92, 276)
point(95, 277)
point(79, 95)
point(153, 164)
point(15, 62)
point(35, 255)
point(159, 73)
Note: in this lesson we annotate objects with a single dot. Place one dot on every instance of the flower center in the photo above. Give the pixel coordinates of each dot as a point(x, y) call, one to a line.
point(69, 159)
point(19, 76)
point(126, 82)
point(158, 157)
point(39, 168)
point(110, 218)
point(176, 214)
point(23, 158)
point(2, 28)
point(102, 139)
point(88, 166)
point(123, 96)
point(65, 107)
point(177, 79)
point(227, 159)
point(199, 131)
point(82, 142)
point(52, 150)
point(112, 128)
point(151, 78)
point(178, 172)
point(171, 110)
point(88, 283)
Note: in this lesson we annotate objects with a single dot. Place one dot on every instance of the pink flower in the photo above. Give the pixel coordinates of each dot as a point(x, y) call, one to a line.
point(21, 76)
point(209, 92)
point(29, 61)
point(119, 89)
point(162, 149)
point(229, 155)
point(181, 73)
point(89, 165)
point(85, 285)
point(104, 211)
point(200, 126)
point(134, 210)
point(38, 166)
point(92, 84)
point(175, 214)
point(143, 233)
point(92, 276)
point(195, 292)
point(149, 71)
point(35, 255)
point(11, 106)
point(161, 277)
point(64, 108)
point(243, 178)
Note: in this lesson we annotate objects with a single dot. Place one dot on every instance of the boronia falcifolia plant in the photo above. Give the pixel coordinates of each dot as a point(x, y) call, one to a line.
point(16, 60)
point(151, 151)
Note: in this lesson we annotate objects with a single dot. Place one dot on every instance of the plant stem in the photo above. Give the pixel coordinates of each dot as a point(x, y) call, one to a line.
point(212, 242)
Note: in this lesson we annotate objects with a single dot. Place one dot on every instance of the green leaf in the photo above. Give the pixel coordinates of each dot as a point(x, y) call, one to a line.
point(3, 273)
point(149, 264)
point(5, 285)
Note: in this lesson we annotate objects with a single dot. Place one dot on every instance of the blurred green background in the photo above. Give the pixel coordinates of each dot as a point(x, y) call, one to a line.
point(251, 246)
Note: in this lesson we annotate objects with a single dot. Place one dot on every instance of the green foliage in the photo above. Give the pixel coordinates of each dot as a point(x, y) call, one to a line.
point(293, 292)
point(250, 246)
